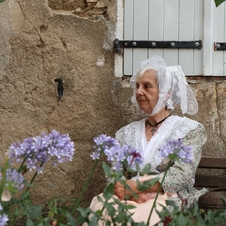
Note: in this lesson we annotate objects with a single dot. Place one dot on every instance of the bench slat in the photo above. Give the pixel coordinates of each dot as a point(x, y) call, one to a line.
point(210, 181)
point(210, 162)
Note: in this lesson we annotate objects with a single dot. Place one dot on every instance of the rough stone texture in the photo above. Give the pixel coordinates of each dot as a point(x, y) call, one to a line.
point(210, 99)
point(83, 8)
point(41, 41)
point(40, 46)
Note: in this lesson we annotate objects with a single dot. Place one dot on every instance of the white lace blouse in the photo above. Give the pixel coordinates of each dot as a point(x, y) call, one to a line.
point(180, 177)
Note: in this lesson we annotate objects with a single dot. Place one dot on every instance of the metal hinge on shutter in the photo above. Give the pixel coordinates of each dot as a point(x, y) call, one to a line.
point(219, 46)
point(118, 45)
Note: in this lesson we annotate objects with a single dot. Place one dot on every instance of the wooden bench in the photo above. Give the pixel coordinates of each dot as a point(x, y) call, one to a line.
point(215, 183)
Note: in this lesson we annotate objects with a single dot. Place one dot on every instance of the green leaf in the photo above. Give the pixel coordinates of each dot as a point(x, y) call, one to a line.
point(41, 224)
point(145, 185)
point(146, 170)
point(34, 212)
point(29, 223)
point(110, 209)
point(218, 2)
point(93, 222)
point(108, 191)
point(17, 212)
point(71, 220)
point(2, 1)
point(124, 207)
point(106, 169)
point(84, 212)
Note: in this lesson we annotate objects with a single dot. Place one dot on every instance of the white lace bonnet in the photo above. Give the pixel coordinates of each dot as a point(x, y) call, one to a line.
point(173, 88)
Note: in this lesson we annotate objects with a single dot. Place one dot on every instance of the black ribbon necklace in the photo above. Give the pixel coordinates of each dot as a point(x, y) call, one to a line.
point(154, 129)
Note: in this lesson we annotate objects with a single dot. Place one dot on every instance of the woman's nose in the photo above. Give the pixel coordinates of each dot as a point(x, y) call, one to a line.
point(139, 91)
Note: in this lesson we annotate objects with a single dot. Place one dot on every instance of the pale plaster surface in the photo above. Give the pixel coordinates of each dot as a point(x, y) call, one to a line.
point(41, 41)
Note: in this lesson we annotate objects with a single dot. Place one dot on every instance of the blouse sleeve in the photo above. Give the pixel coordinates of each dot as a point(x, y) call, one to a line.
point(181, 174)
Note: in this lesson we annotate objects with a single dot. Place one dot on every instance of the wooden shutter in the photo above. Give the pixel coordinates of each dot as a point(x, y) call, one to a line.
point(176, 20)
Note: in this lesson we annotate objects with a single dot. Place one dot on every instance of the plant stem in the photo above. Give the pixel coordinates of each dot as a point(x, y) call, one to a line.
point(32, 180)
point(4, 176)
point(34, 176)
point(22, 164)
point(159, 189)
point(85, 187)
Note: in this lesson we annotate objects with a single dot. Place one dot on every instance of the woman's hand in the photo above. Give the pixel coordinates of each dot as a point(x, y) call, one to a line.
point(122, 192)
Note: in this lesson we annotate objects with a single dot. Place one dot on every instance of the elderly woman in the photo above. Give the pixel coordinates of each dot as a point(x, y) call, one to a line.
point(157, 89)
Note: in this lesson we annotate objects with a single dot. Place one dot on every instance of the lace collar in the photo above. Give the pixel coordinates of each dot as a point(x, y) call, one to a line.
point(174, 127)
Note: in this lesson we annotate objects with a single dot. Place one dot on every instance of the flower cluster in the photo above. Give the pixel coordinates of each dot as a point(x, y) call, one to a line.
point(176, 148)
point(3, 218)
point(14, 180)
point(119, 156)
point(38, 150)
point(103, 142)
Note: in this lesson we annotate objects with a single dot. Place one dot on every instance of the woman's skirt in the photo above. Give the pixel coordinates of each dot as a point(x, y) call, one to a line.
point(140, 212)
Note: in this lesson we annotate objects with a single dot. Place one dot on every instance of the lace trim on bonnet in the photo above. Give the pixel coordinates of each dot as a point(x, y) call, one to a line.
point(174, 127)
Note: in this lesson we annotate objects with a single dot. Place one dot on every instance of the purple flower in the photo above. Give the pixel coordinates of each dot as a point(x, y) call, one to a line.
point(133, 156)
point(103, 142)
point(3, 219)
point(117, 166)
point(38, 150)
point(14, 180)
point(95, 155)
point(175, 149)
point(119, 156)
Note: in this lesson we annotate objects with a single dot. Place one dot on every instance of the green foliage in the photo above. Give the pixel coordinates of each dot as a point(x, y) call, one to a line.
point(218, 2)
point(56, 210)
point(144, 186)
point(17, 204)
point(191, 216)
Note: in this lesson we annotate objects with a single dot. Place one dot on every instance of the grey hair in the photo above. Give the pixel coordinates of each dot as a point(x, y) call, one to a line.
point(141, 72)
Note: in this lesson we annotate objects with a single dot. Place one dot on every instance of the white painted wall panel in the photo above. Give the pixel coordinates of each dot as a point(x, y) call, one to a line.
point(198, 35)
point(128, 35)
point(140, 30)
point(171, 22)
point(156, 24)
point(186, 33)
point(208, 37)
point(218, 36)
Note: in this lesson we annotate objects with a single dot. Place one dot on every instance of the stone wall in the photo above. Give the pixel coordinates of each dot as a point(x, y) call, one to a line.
point(38, 45)
point(44, 40)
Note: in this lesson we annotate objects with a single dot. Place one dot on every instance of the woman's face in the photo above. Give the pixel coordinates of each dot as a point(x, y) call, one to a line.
point(147, 91)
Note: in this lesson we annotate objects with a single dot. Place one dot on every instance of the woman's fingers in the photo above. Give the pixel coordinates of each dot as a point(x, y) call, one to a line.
point(119, 190)
point(123, 192)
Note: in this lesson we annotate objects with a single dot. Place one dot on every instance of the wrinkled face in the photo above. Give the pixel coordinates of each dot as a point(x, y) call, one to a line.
point(147, 91)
